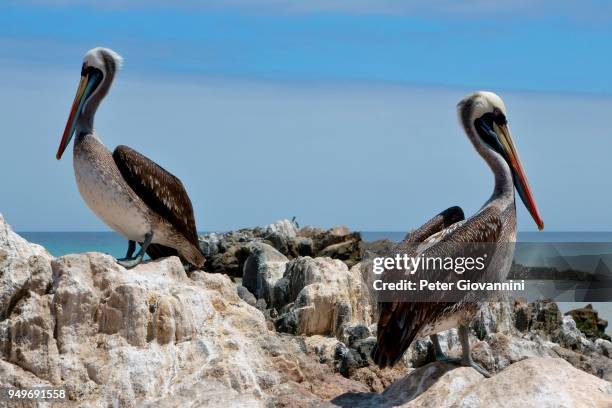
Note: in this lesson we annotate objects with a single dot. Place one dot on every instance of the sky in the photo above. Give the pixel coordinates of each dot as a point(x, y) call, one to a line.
point(336, 112)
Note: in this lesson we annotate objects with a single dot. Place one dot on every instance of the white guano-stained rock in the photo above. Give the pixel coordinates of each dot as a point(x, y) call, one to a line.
point(535, 382)
point(149, 336)
point(320, 296)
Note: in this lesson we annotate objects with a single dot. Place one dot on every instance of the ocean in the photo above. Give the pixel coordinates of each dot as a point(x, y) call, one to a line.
point(62, 243)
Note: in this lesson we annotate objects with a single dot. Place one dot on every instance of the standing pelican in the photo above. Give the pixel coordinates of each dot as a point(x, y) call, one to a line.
point(132, 194)
point(483, 117)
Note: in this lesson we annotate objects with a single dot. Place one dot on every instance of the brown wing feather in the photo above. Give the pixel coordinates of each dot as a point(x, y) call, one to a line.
point(441, 221)
point(157, 251)
point(160, 190)
point(400, 322)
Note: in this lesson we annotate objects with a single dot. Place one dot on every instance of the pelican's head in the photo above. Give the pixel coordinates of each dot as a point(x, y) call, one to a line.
point(97, 72)
point(483, 115)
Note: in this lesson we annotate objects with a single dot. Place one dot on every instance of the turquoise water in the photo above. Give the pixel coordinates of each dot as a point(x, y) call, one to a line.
point(62, 243)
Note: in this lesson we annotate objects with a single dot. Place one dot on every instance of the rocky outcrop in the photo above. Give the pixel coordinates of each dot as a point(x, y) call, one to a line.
point(150, 336)
point(228, 252)
point(156, 337)
point(588, 322)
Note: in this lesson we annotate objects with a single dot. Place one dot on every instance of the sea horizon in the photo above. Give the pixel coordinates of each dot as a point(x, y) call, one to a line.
point(60, 243)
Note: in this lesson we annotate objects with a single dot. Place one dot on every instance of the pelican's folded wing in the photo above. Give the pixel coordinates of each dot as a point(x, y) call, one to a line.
point(159, 189)
point(441, 221)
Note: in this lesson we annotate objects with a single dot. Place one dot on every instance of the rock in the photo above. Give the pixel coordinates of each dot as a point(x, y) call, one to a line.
point(604, 347)
point(261, 304)
point(445, 385)
point(544, 316)
point(376, 379)
point(497, 352)
point(284, 228)
point(226, 252)
point(379, 247)
point(541, 315)
point(245, 295)
point(304, 246)
point(310, 232)
point(347, 251)
point(502, 350)
point(230, 261)
point(594, 364)
point(153, 336)
point(262, 269)
point(282, 236)
point(570, 337)
point(324, 347)
point(209, 244)
point(23, 267)
point(149, 336)
point(325, 294)
point(522, 315)
point(336, 243)
point(26, 326)
point(354, 332)
point(496, 316)
point(345, 358)
point(588, 322)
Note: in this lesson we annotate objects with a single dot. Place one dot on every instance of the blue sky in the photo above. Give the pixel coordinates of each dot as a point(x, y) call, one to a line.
point(556, 49)
point(337, 112)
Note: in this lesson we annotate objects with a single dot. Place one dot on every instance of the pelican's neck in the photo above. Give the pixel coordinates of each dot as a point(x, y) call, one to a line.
point(503, 191)
point(85, 124)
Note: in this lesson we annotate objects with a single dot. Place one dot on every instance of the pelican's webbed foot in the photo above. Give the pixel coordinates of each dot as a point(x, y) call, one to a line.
point(478, 368)
point(466, 359)
point(129, 262)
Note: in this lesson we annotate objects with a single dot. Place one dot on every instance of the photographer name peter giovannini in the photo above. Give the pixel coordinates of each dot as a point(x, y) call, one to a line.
point(462, 285)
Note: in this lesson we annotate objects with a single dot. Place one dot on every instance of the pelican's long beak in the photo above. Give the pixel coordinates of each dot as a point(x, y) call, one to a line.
point(520, 178)
point(77, 106)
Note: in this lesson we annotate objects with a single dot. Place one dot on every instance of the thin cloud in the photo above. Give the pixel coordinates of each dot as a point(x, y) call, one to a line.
point(434, 8)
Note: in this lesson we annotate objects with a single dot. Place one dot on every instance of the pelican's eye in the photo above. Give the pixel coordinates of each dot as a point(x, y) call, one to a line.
point(499, 117)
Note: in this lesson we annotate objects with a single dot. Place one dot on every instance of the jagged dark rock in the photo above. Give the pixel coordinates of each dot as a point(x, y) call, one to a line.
point(588, 322)
point(245, 295)
point(227, 252)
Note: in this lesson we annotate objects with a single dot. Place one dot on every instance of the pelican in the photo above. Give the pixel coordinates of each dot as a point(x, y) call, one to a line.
point(483, 117)
point(130, 193)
